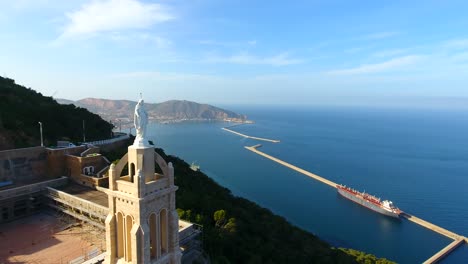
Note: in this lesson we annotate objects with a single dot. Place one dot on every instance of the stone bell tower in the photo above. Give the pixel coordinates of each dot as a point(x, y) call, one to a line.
point(142, 225)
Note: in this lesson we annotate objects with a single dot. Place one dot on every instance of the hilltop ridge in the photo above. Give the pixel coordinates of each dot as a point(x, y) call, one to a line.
point(169, 111)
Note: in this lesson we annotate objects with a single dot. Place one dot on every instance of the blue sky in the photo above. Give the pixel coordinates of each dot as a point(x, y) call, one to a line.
point(238, 52)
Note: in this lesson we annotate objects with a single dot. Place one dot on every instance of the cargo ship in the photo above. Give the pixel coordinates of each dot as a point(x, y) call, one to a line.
point(384, 207)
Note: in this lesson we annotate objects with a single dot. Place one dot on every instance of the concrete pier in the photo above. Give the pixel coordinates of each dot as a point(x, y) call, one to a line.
point(444, 252)
point(238, 124)
point(247, 136)
point(309, 174)
point(458, 240)
point(431, 226)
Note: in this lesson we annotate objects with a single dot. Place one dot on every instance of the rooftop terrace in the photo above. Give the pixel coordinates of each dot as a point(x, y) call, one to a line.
point(86, 193)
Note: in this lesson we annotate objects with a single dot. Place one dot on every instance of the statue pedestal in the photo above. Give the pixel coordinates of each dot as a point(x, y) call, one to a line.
point(141, 143)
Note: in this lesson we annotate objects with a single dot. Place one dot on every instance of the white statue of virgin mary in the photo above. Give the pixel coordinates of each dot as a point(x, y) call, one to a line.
point(140, 121)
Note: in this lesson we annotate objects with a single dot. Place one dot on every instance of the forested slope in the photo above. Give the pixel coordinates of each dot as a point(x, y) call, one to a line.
point(22, 108)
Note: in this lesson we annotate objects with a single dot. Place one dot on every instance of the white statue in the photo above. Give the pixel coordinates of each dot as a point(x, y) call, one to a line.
point(141, 120)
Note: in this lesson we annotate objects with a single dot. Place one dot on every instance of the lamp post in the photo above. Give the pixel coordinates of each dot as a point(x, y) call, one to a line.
point(40, 130)
point(84, 136)
point(112, 130)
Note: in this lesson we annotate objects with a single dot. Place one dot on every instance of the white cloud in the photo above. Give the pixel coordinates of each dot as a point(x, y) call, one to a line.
point(382, 35)
point(389, 65)
point(356, 49)
point(281, 59)
point(457, 43)
point(152, 40)
point(114, 15)
point(460, 57)
point(252, 42)
point(165, 76)
point(227, 43)
point(389, 53)
point(160, 42)
point(27, 4)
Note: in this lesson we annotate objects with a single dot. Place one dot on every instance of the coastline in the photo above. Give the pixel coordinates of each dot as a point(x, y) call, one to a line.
point(128, 124)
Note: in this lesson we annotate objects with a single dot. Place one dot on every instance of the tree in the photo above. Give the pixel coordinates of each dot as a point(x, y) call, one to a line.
point(231, 225)
point(220, 217)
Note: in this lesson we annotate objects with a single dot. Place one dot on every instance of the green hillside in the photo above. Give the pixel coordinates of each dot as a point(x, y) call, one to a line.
point(22, 108)
point(191, 110)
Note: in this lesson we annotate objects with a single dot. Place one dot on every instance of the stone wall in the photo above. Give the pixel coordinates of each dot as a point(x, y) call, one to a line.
point(23, 165)
point(115, 145)
point(90, 181)
point(56, 165)
point(30, 165)
point(25, 200)
point(32, 188)
point(20, 206)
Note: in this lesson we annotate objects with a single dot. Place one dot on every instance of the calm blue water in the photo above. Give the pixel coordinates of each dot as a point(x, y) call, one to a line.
point(418, 159)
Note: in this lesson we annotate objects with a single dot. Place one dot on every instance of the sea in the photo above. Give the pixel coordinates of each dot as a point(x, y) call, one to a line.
point(417, 158)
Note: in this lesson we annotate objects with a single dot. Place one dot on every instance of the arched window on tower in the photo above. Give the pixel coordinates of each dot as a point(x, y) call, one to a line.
point(120, 236)
point(163, 231)
point(132, 171)
point(153, 236)
point(128, 236)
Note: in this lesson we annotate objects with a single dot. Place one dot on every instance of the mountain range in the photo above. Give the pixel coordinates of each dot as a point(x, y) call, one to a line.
point(169, 111)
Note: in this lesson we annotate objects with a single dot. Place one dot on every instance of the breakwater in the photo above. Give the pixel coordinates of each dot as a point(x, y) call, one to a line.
point(247, 136)
point(309, 174)
point(458, 240)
